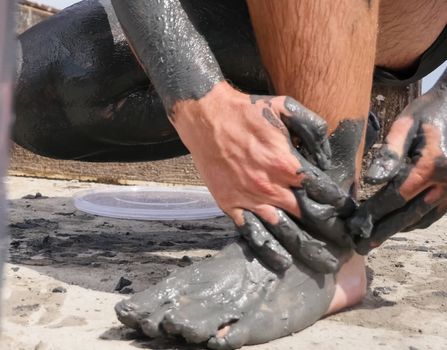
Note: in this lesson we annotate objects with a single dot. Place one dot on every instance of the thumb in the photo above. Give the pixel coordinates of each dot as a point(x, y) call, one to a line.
point(393, 152)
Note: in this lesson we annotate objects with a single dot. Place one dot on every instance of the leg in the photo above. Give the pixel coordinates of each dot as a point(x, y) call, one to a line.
point(7, 63)
point(100, 105)
point(333, 78)
point(407, 29)
point(233, 292)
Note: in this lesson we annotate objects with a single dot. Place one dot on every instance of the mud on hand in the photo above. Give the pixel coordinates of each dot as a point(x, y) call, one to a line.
point(321, 203)
point(413, 164)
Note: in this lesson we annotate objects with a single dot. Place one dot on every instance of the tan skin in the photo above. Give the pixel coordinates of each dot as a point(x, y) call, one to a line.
point(237, 137)
point(220, 146)
point(407, 28)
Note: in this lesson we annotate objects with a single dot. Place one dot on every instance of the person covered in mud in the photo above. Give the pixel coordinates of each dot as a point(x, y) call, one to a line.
point(144, 80)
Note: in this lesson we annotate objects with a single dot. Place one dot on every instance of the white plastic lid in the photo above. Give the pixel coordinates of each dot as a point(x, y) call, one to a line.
point(149, 203)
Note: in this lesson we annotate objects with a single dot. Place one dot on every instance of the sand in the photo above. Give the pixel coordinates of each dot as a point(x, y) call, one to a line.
point(65, 265)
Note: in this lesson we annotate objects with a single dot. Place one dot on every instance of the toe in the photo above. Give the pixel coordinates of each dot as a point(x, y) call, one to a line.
point(152, 324)
point(198, 322)
point(195, 326)
point(126, 311)
point(237, 336)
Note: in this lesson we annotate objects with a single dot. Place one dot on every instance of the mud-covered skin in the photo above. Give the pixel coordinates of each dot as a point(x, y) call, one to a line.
point(301, 124)
point(414, 163)
point(176, 57)
point(289, 301)
point(235, 289)
point(279, 244)
point(321, 201)
point(345, 144)
point(231, 288)
point(90, 86)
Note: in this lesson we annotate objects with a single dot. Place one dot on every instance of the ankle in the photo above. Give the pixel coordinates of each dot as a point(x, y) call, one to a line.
point(351, 284)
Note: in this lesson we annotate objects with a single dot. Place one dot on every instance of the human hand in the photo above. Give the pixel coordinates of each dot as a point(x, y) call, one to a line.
point(413, 161)
point(242, 149)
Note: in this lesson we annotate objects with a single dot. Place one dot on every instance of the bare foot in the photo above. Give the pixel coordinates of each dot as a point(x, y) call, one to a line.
point(233, 300)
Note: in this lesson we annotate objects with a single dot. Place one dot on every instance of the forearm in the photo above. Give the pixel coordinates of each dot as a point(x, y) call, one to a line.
point(176, 57)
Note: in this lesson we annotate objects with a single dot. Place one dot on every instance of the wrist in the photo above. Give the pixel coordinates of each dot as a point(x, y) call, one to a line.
point(206, 111)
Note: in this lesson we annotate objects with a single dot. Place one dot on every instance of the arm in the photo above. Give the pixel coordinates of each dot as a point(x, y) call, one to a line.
point(239, 143)
point(175, 56)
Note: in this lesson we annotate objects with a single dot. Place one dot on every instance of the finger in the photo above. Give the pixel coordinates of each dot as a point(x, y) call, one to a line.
point(310, 129)
point(392, 154)
point(434, 215)
point(151, 325)
point(237, 215)
point(385, 201)
point(322, 220)
point(314, 253)
point(284, 200)
point(395, 222)
point(430, 218)
point(263, 244)
point(322, 189)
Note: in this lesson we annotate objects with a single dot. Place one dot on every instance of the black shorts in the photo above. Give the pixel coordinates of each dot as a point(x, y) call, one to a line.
point(429, 61)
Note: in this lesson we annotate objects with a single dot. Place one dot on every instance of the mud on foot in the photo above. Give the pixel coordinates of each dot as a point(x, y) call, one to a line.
point(231, 289)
